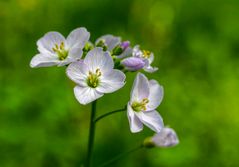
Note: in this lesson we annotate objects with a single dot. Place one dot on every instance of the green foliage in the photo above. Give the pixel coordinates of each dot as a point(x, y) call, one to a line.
point(196, 46)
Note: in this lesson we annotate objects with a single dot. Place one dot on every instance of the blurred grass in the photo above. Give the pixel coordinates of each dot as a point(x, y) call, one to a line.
point(196, 44)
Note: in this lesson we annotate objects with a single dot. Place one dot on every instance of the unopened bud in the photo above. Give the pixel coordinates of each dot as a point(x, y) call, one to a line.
point(125, 44)
point(102, 44)
point(167, 137)
point(133, 63)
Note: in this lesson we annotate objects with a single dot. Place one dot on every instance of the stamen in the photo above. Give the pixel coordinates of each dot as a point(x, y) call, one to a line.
point(146, 54)
point(60, 51)
point(98, 72)
point(94, 78)
point(140, 106)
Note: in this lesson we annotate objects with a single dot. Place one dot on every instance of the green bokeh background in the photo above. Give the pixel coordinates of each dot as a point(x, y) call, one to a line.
point(196, 44)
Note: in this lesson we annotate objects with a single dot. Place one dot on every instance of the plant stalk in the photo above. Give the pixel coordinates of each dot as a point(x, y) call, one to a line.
point(91, 135)
point(121, 156)
point(109, 113)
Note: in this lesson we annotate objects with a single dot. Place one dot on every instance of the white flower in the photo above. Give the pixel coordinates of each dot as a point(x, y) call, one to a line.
point(95, 76)
point(108, 41)
point(167, 137)
point(145, 98)
point(147, 56)
point(56, 50)
point(114, 45)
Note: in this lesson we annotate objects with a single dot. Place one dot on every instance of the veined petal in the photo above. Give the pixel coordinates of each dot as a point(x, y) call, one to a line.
point(86, 95)
point(152, 119)
point(78, 38)
point(98, 59)
point(155, 95)
point(75, 54)
point(48, 42)
point(111, 81)
point(42, 60)
point(140, 88)
point(77, 72)
point(134, 122)
point(110, 41)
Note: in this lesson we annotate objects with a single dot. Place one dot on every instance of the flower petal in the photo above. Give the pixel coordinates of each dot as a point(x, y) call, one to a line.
point(151, 57)
point(152, 119)
point(97, 58)
point(150, 69)
point(155, 95)
point(136, 51)
point(77, 72)
point(140, 88)
point(126, 53)
point(48, 41)
point(110, 40)
point(86, 95)
point(75, 54)
point(134, 122)
point(111, 81)
point(78, 38)
point(42, 60)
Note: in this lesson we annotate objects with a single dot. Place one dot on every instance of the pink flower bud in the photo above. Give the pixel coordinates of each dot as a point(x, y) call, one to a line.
point(133, 63)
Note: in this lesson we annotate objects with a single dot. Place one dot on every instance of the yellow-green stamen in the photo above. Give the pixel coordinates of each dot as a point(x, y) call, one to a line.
point(60, 51)
point(94, 78)
point(146, 54)
point(140, 106)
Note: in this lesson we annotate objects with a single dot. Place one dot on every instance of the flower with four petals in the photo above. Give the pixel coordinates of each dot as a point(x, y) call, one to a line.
point(56, 50)
point(146, 96)
point(95, 76)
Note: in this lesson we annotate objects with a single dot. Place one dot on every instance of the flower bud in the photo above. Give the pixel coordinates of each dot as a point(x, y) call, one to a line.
point(167, 137)
point(102, 44)
point(125, 44)
point(133, 63)
point(119, 49)
point(88, 46)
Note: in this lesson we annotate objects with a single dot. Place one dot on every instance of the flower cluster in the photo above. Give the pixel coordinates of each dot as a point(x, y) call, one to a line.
point(100, 67)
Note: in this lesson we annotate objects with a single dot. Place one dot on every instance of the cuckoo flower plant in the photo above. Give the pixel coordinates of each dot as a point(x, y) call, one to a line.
point(99, 68)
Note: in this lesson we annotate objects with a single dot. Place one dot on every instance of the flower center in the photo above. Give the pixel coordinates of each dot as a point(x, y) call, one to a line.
point(140, 106)
point(146, 54)
point(93, 79)
point(60, 51)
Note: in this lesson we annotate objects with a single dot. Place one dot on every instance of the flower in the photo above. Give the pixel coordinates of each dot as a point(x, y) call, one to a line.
point(95, 76)
point(167, 137)
point(56, 50)
point(133, 63)
point(146, 56)
point(114, 45)
point(145, 98)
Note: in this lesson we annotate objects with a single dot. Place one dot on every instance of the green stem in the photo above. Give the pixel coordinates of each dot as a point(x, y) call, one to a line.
point(121, 156)
point(91, 135)
point(109, 113)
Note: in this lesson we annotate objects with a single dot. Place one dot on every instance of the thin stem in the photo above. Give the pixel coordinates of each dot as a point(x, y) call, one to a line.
point(120, 156)
point(109, 113)
point(91, 135)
